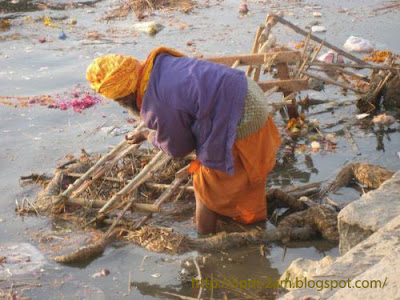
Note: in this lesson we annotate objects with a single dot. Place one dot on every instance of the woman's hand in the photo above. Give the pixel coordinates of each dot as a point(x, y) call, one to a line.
point(137, 137)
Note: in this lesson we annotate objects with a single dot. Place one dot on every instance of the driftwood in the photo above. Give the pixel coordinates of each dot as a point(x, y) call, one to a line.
point(320, 218)
point(370, 175)
point(165, 239)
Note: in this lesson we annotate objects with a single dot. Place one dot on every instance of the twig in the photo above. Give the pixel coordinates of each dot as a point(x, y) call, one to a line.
point(350, 138)
point(93, 169)
point(129, 282)
point(199, 277)
point(179, 296)
point(161, 186)
point(34, 208)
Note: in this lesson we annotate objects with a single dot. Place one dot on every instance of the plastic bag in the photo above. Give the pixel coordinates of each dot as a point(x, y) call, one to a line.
point(357, 44)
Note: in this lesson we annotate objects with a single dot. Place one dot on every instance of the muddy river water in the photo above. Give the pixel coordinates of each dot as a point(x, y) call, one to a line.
point(34, 138)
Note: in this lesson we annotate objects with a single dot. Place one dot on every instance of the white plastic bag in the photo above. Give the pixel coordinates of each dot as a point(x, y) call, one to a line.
point(357, 44)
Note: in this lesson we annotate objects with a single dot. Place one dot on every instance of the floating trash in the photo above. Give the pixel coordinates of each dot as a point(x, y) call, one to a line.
point(42, 40)
point(150, 28)
point(62, 36)
point(318, 29)
point(243, 8)
point(102, 273)
point(384, 120)
point(358, 44)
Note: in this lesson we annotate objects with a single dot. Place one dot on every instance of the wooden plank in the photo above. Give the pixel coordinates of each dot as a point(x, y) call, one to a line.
point(319, 40)
point(283, 74)
point(256, 45)
point(256, 59)
point(285, 85)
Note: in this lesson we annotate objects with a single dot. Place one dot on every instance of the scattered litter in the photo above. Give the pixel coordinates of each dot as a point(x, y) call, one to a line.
point(94, 35)
point(115, 130)
point(398, 154)
point(150, 28)
point(384, 120)
point(243, 8)
point(317, 14)
point(315, 146)
point(102, 273)
point(48, 22)
point(62, 36)
point(331, 138)
point(378, 56)
point(78, 99)
point(361, 116)
point(5, 24)
point(318, 29)
point(42, 40)
point(73, 21)
point(331, 57)
point(358, 44)
point(156, 275)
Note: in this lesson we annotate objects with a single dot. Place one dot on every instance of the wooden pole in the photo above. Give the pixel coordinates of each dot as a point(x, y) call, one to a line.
point(255, 47)
point(146, 207)
point(319, 40)
point(161, 186)
point(236, 64)
point(326, 79)
point(290, 85)
point(354, 66)
point(256, 59)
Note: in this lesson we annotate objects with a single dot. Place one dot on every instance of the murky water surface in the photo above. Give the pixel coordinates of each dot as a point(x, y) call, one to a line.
point(33, 139)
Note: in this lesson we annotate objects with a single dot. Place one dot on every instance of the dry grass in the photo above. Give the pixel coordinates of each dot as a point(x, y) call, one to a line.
point(140, 7)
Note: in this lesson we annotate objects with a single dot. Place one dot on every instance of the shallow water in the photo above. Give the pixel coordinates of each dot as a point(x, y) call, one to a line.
point(33, 139)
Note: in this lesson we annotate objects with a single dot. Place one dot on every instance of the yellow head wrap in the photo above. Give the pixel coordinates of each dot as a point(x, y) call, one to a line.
point(114, 76)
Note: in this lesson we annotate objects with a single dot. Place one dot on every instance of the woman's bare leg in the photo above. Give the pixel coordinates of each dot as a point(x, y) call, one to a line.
point(206, 220)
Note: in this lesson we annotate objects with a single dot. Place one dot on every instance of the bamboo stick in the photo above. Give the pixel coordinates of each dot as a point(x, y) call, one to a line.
point(180, 177)
point(255, 47)
point(107, 167)
point(319, 40)
point(93, 169)
point(331, 81)
point(161, 186)
point(355, 66)
point(314, 56)
point(236, 64)
point(158, 160)
point(100, 203)
point(112, 179)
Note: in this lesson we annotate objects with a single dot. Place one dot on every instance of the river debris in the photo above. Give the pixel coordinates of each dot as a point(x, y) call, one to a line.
point(141, 7)
point(126, 193)
point(77, 99)
point(116, 190)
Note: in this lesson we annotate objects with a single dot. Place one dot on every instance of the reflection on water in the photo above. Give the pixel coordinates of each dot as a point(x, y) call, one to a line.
point(13, 6)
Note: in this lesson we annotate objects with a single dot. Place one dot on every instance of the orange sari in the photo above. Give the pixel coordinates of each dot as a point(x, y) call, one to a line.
point(241, 196)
